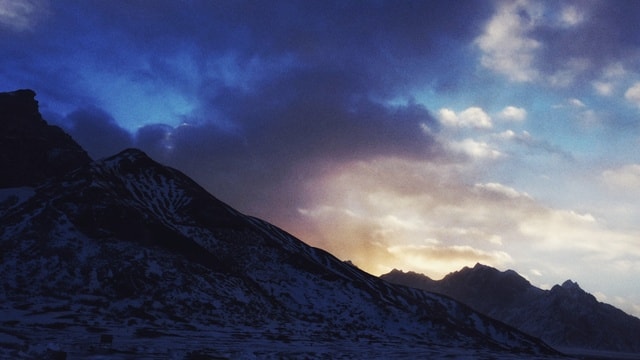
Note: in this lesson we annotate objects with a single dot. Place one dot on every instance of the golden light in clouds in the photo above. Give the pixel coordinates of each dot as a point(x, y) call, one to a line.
point(420, 216)
point(396, 213)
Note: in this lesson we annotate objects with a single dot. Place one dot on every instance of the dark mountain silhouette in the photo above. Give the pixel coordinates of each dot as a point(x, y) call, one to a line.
point(134, 250)
point(565, 316)
point(30, 149)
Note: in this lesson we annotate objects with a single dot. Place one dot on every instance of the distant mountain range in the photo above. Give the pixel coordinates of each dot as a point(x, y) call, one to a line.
point(125, 258)
point(564, 317)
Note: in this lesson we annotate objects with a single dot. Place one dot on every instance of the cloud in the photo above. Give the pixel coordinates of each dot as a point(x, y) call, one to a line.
point(473, 117)
point(571, 16)
point(625, 178)
point(22, 15)
point(434, 258)
point(553, 42)
point(535, 272)
point(249, 99)
point(633, 94)
point(253, 145)
point(475, 149)
point(500, 190)
point(506, 45)
point(427, 217)
point(603, 88)
point(576, 103)
point(420, 207)
point(612, 76)
point(533, 144)
point(97, 132)
point(513, 113)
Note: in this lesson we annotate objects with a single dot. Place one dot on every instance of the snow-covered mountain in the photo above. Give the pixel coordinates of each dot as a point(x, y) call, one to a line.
point(137, 251)
point(565, 316)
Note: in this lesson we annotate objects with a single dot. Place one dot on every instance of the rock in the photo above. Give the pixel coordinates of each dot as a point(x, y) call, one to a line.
point(31, 150)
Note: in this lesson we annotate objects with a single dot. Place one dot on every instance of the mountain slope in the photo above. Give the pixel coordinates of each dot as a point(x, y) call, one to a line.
point(565, 316)
point(141, 246)
point(128, 247)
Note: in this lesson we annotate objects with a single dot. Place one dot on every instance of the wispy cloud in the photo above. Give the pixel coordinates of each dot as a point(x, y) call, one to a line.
point(22, 15)
point(513, 113)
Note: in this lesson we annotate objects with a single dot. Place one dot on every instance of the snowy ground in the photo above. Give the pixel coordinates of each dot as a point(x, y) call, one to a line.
point(25, 334)
point(129, 343)
point(588, 354)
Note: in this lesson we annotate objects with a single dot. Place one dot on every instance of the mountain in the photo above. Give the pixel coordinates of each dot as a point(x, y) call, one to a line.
point(30, 149)
point(126, 258)
point(565, 316)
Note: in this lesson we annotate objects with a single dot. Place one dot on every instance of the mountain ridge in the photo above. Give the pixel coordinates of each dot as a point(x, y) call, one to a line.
point(564, 316)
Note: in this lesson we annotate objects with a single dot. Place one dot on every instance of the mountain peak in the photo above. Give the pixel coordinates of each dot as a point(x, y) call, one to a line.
point(479, 265)
point(19, 105)
point(571, 285)
point(131, 155)
point(477, 270)
point(31, 150)
point(130, 160)
point(482, 267)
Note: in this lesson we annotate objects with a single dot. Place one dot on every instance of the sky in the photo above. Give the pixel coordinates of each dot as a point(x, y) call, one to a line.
point(419, 135)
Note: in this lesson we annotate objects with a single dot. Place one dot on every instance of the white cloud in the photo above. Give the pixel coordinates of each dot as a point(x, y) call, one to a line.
point(505, 45)
point(633, 94)
point(535, 272)
point(624, 178)
point(503, 190)
point(513, 113)
point(603, 88)
point(571, 16)
point(473, 117)
point(610, 79)
point(510, 45)
point(475, 149)
point(506, 135)
point(448, 117)
point(576, 103)
point(21, 15)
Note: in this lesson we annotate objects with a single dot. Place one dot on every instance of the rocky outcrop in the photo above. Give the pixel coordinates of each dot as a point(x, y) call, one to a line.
point(30, 149)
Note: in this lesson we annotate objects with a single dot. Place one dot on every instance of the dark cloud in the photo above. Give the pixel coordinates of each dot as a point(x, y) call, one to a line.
point(277, 90)
point(394, 43)
point(602, 36)
point(97, 132)
point(262, 147)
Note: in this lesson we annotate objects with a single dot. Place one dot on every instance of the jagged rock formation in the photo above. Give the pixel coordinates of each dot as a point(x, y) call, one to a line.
point(129, 247)
point(565, 316)
point(30, 149)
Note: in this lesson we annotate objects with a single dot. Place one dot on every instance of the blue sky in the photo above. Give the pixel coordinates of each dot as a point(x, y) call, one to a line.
point(424, 135)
